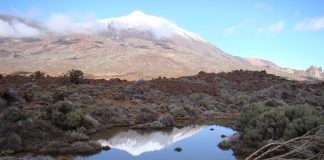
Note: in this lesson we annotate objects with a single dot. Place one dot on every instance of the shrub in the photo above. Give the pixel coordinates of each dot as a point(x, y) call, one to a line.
point(13, 114)
point(38, 75)
point(272, 120)
point(44, 97)
point(75, 76)
point(31, 87)
point(179, 113)
point(300, 126)
point(224, 145)
point(3, 103)
point(73, 119)
point(64, 106)
point(66, 116)
point(145, 116)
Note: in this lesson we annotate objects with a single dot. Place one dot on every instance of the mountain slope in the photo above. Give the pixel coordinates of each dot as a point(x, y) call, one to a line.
point(136, 46)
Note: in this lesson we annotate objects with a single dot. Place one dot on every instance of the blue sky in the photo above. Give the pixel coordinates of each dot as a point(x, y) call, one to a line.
point(290, 33)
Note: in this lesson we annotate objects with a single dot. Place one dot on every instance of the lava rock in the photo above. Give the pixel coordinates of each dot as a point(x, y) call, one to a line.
point(178, 149)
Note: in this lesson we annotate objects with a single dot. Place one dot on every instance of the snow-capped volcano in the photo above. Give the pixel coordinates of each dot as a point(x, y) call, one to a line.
point(160, 27)
point(113, 48)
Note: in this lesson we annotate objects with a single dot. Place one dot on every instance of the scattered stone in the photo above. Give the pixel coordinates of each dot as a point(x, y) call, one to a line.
point(178, 149)
point(106, 148)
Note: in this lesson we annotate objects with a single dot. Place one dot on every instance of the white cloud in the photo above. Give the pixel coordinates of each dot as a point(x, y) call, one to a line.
point(60, 23)
point(263, 7)
point(273, 29)
point(230, 30)
point(65, 24)
point(17, 29)
point(314, 24)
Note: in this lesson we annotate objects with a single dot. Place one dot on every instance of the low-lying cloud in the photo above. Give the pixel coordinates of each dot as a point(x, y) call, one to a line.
point(17, 29)
point(64, 24)
point(58, 24)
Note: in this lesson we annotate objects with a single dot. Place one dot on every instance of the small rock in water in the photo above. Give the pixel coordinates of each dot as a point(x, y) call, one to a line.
point(178, 149)
point(223, 136)
point(211, 129)
point(224, 145)
point(105, 148)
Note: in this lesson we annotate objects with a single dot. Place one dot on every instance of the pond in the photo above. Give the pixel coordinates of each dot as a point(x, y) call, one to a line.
point(196, 142)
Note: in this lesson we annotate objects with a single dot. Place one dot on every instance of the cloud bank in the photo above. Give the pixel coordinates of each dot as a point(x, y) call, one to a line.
point(17, 29)
point(65, 24)
point(58, 24)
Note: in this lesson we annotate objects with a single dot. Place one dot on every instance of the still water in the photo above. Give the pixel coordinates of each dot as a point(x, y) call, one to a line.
point(197, 142)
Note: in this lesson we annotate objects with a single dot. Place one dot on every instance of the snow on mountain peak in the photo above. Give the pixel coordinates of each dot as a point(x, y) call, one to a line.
point(160, 27)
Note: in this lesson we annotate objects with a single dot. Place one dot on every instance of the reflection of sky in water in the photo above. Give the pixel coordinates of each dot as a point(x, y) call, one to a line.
point(197, 142)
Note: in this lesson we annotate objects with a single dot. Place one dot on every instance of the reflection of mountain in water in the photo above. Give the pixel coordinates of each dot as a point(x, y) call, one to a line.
point(137, 143)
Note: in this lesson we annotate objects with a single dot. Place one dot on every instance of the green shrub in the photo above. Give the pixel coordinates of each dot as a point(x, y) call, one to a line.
point(38, 114)
point(58, 118)
point(274, 120)
point(31, 87)
point(44, 97)
point(75, 76)
point(66, 115)
point(64, 106)
point(179, 112)
point(73, 119)
point(12, 114)
point(300, 126)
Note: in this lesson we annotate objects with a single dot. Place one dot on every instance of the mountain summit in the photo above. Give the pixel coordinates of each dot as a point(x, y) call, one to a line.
point(139, 21)
point(136, 46)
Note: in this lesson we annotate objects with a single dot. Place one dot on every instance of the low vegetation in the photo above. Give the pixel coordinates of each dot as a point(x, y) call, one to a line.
point(273, 121)
point(75, 76)
point(56, 115)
